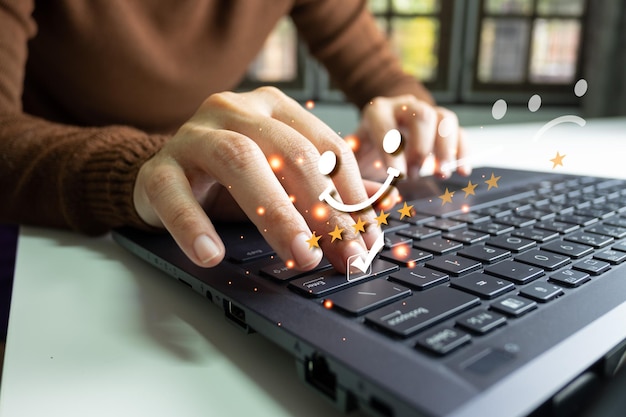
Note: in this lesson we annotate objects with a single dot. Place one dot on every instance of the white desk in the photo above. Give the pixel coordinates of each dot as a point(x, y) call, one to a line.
point(96, 332)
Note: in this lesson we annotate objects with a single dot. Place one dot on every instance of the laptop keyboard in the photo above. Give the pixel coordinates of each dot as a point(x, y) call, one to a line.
point(442, 281)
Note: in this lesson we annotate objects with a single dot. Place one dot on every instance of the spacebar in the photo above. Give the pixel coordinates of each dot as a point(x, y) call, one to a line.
point(421, 310)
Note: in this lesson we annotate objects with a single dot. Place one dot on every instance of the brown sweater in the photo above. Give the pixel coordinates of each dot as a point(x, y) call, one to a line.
point(90, 89)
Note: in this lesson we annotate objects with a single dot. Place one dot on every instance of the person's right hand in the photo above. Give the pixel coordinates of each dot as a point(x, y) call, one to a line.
point(263, 148)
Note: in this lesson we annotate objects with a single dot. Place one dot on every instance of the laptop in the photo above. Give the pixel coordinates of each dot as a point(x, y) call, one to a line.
point(506, 301)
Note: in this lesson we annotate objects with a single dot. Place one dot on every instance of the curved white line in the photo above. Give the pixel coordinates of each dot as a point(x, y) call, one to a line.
point(349, 208)
point(557, 121)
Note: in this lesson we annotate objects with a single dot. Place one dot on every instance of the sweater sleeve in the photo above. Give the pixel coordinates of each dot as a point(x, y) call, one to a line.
point(344, 37)
point(58, 175)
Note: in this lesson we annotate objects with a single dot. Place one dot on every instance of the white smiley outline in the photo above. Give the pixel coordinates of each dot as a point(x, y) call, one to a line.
point(328, 161)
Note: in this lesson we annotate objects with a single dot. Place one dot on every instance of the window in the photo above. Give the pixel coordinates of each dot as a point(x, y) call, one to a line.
point(463, 51)
point(522, 45)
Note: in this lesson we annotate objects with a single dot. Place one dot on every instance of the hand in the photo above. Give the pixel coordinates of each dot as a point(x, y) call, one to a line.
point(428, 132)
point(259, 150)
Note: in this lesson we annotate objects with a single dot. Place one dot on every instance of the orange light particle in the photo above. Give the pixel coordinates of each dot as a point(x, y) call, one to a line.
point(401, 251)
point(290, 264)
point(275, 162)
point(292, 198)
point(260, 210)
point(310, 104)
point(378, 164)
point(320, 212)
point(328, 304)
point(465, 208)
point(353, 142)
point(410, 264)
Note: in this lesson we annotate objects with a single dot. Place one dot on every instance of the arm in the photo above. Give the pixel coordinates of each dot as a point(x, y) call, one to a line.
point(57, 175)
point(347, 41)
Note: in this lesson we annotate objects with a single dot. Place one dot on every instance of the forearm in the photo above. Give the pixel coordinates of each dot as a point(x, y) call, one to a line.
point(63, 176)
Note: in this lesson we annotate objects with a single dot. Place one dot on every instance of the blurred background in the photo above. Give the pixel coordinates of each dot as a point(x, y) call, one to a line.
point(470, 53)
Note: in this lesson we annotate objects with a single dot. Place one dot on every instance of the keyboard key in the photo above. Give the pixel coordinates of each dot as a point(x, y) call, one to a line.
point(542, 292)
point(405, 255)
point(620, 247)
point(419, 277)
point(570, 277)
point(514, 271)
point(446, 225)
point(543, 259)
point(597, 241)
point(437, 245)
point(454, 265)
point(421, 310)
point(616, 221)
point(419, 232)
point(367, 296)
point(538, 235)
point(579, 220)
point(471, 218)
point(607, 230)
point(511, 243)
point(393, 226)
point(246, 252)
point(514, 306)
point(592, 266)
point(516, 221)
point(494, 229)
point(279, 271)
point(443, 340)
point(611, 256)
point(485, 286)
point(538, 215)
point(322, 283)
point(481, 321)
point(393, 239)
point(571, 249)
point(484, 254)
point(557, 226)
point(468, 237)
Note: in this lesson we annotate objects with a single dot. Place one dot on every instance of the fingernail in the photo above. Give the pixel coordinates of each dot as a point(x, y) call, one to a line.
point(206, 250)
point(304, 255)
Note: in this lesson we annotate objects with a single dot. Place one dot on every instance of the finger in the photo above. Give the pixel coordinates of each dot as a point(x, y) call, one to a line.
point(419, 119)
point(380, 117)
point(239, 164)
point(446, 142)
point(464, 166)
point(169, 194)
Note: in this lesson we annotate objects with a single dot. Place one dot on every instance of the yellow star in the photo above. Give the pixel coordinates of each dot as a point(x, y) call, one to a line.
point(469, 190)
point(557, 160)
point(336, 234)
point(314, 241)
point(492, 182)
point(446, 197)
point(382, 218)
point(359, 226)
point(405, 211)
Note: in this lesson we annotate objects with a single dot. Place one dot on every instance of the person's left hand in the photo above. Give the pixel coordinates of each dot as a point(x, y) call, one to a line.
point(430, 136)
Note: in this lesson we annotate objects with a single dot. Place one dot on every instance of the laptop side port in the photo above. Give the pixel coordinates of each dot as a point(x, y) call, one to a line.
point(317, 373)
point(236, 315)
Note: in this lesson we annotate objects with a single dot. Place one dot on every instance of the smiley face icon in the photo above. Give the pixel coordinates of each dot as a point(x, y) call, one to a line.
point(328, 162)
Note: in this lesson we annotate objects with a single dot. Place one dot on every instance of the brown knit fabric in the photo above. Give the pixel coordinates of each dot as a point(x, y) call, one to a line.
point(89, 90)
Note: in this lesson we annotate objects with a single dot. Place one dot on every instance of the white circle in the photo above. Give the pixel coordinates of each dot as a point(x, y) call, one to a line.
point(499, 109)
point(392, 141)
point(327, 162)
point(446, 126)
point(580, 88)
point(534, 103)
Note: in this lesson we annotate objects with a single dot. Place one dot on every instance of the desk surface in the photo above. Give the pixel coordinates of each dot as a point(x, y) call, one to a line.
point(95, 331)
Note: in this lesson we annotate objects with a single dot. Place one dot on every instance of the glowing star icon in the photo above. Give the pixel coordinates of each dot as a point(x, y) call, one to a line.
point(446, 197)
point(359, 226)
point(557, 160)
point(328, 161)
point(314, 241)
point(469, 190)
point(381, 218)
point(336, 234)
point(405, 211)
point(492, 182)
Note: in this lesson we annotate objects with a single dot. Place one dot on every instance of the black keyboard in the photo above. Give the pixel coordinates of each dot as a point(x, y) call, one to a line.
point(444, 279)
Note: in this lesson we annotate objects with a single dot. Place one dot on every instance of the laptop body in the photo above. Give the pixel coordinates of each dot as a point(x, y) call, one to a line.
point(523, 312)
